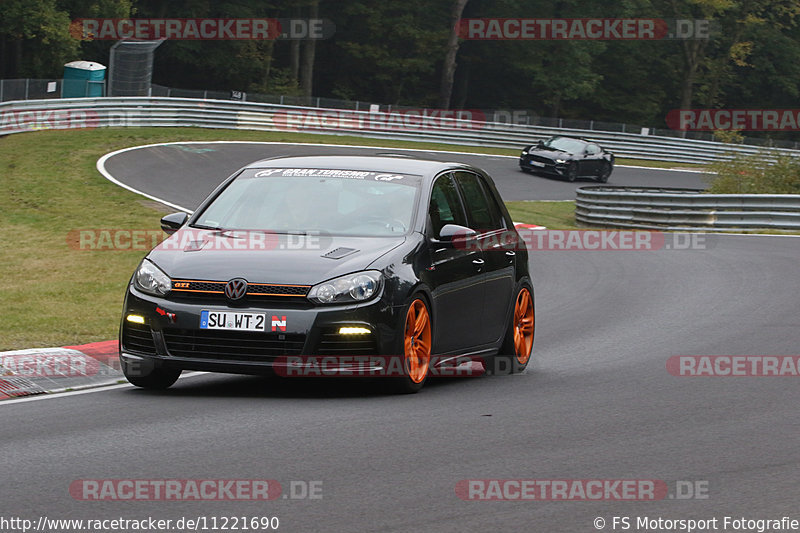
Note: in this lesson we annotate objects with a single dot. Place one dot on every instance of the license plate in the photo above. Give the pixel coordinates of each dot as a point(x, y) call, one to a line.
point(537, 163)
point(235, 320)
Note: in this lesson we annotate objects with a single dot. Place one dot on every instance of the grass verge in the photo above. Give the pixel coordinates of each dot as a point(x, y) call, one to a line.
point(552, 215)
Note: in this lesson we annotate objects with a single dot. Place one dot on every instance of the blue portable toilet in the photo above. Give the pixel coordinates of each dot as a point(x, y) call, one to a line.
point(83, 78)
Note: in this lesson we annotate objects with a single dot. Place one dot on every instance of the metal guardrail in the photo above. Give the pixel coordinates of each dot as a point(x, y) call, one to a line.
point(30, 115)
point(684, 209)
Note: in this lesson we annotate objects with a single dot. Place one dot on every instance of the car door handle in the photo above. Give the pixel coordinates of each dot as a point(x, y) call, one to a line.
point(478, 261)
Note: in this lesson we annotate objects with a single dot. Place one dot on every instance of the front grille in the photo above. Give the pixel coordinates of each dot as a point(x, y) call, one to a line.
point(187, 287)
point(542, 159)
point(277, 290)
point(231, 345)
point(137, 338)
point(332, 343)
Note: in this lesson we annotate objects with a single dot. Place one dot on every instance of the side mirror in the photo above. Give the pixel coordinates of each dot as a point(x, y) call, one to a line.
point(540, 144)
point(457, 235)
point(172, 223)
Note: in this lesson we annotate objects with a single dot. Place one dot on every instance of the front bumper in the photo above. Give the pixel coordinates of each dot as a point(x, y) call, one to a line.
point(170, 336)
point(547, 167)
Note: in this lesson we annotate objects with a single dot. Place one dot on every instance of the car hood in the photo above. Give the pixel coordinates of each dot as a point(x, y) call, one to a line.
point(550, 154)
point(261, 257)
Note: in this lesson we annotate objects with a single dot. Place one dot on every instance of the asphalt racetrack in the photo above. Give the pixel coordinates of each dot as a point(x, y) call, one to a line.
point(187, 173)
point(597, 401)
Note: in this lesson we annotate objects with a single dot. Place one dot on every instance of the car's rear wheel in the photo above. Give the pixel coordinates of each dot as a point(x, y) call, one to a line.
point(416, 348)
point(156, 378)
point(515, 353)
point(572, 172)
point(605, 172)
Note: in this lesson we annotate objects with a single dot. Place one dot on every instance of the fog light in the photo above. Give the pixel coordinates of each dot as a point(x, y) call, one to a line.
point(352, 330)
point(136, 319)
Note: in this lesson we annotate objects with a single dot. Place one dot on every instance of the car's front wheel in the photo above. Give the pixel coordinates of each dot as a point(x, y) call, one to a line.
point(155, 378)
point(572, 172)
point(416, 347)
point(605, 172)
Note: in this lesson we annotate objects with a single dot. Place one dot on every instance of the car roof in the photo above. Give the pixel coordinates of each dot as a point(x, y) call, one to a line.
point(401, 165)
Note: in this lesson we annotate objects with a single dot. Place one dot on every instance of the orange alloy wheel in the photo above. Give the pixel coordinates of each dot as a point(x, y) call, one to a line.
point(417, 341)
point(523, 326)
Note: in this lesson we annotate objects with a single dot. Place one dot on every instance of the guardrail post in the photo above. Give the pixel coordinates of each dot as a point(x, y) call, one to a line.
point(27, 85)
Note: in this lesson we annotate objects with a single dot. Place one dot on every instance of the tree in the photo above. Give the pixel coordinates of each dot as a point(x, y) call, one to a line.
point(449, 66)
point(34, 39)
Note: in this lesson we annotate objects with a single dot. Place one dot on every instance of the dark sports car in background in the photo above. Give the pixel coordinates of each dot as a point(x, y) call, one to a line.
point(568, 157)
point(339, 256)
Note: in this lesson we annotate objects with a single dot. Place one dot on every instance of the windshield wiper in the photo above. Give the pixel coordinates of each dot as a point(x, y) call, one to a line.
point(203, 226)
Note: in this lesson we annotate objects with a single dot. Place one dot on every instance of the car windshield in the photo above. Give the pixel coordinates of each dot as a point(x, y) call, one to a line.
point(329, 201)
point(565, 144)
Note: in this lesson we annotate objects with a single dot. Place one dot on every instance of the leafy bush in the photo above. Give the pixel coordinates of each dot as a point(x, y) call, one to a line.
point(763, 173)
point(729, 136)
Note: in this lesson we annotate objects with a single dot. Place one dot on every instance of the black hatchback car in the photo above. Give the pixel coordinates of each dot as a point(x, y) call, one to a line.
point(568, 157)
point(347, 257)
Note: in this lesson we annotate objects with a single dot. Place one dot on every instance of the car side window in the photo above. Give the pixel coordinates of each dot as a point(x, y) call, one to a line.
point(592, 149)
point(482, 209)
point(445, 207)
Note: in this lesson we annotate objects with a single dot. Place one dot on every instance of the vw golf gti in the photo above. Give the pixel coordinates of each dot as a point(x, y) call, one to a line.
point(333, 256)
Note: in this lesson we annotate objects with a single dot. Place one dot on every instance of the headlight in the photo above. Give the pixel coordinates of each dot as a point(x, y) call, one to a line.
point(357, 287)
point(561, 161)
point(525, 152)
point(150, 279)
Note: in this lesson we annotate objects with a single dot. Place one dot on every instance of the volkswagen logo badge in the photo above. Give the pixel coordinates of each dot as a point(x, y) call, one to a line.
point(236, 289)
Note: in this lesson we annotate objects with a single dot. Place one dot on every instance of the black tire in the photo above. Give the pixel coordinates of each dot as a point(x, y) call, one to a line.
point(416, 373)
point(155, 379)
point(572, 172)
point(507, 360)
point(605, 172)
